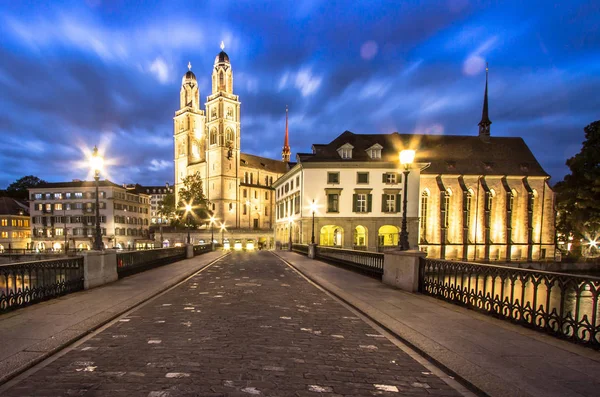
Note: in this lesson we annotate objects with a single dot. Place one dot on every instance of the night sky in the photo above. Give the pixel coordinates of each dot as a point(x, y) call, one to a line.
point(75, 74)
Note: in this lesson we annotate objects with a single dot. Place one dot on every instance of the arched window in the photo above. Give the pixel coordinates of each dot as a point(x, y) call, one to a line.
point(221, 139)
point(229, 135)
point(447, 206)
point(213, 137)
point(468, 206)
point(423, 220)
point(221, 82)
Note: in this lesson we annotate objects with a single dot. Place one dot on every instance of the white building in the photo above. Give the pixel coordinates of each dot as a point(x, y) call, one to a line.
point(357, 193)
point(157, 195)
point(64, 213)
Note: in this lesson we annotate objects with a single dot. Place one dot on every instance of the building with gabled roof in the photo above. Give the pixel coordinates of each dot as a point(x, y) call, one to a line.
point(469, 197)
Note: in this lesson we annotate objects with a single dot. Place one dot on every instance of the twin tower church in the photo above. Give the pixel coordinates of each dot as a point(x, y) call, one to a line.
point(238, 185)
point(470, 197)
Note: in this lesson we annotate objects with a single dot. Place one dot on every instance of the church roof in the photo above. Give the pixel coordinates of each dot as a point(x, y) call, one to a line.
point(447, 154)
point(222, 57)
point(263, 163)
point(10, 206)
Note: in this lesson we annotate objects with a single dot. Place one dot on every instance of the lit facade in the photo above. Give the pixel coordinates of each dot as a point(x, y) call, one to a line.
point(237, 185)
point(15, 232)
point(63, 213)
point(157, 195)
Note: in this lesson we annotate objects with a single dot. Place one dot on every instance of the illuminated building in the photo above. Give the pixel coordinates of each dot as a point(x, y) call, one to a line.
point(15, 232)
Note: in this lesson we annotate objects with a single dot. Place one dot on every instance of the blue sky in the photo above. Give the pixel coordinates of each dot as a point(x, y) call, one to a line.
point(75, 74)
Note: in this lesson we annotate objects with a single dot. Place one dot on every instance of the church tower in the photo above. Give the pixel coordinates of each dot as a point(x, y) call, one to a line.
point(223, 144)
point(285, 153)
point(485, 123)
point(188, 131)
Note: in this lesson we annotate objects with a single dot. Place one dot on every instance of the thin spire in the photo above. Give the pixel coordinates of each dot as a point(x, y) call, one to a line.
point(189, 66)
point(222, 45)
point(484, 124)
point(285, 153)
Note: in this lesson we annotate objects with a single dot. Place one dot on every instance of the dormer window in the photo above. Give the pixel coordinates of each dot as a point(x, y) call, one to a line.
point(345, 151)
point(374, 151)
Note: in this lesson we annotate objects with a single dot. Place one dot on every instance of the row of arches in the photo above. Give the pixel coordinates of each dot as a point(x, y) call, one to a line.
point(220, 138)
point(335, 236)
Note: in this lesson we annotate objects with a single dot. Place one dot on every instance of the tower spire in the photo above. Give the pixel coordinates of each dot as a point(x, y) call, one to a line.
point(285, 153)
point(484, 124)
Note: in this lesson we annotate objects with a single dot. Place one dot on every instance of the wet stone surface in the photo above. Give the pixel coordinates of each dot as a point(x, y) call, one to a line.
point(248, 325)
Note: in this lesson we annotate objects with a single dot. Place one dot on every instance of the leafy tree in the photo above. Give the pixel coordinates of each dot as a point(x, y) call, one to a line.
point(192, 193)
point(578, 194)
point(18, 189)
point(166, 207)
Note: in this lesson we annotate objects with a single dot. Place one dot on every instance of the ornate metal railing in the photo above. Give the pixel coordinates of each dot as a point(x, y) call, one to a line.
point(132, 262)
point(300, 248)
point(370, 262)
point(202, 249)
point(24, 283)
point(560, 304)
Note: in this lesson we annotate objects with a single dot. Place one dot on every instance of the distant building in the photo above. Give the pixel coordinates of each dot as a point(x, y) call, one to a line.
point(469, 197)
point(63, 213)
point(157, 194)
point(237, 185)
point(15, 231)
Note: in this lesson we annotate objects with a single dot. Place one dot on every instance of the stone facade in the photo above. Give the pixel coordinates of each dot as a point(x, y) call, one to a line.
point(237, 185)
point(15, 232)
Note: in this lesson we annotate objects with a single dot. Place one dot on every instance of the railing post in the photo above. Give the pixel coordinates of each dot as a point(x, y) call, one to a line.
point(99, 267)
point(189, 251)
point(401, 269)
point(312, 251)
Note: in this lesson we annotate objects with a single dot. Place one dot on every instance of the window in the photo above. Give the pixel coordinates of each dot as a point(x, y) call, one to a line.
point(245, 209)
point(213, 137)
point(390, 203)
point(4, 222)
point(48, 196)
point(333, 203)
point(266, 195)
point(4, 234)
point(266, 211)
point(256, 194)
point(251, 178)
point(245, 193)
point(78, 195)
point(446, 208)
point(362, 177)
point(360, 202)
point(58, 196)
point(292, 184)
point(14, 222)
point(58, 207)
point(298, 180)
point(287, 187)
point(468, 208)
point(48, 207)
point(391, 178)
point(26, 223)
point(38, 196)
point(297, 205)
point(58, 231)
point(333, 177)
point(345, 151)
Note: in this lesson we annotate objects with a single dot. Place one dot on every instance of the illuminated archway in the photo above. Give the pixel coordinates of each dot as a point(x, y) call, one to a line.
point(82, 246)
point(1, 248)
point(360, 237)
point(41, 246)
point(331, 236)
point(388, 235)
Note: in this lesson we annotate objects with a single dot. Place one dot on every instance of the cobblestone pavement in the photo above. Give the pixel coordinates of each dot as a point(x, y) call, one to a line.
point(248, 325)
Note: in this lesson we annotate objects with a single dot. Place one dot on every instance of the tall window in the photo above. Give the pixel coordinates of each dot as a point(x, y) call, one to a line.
point(446, 208)
point(468, 208)
point(361, 202)
point(390, 203)
point(423, 216)
point(213, 137)
point(332, 203)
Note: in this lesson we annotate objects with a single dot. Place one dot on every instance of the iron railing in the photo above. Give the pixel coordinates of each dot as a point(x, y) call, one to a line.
point(132, 262)
point(202, 249)
point(24, 283)
point(300, 248)
point(560, 304)
point(370, 262)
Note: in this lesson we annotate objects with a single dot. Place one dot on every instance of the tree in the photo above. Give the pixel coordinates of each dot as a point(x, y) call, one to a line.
point(192, 193)
point(578, 195)
point(18, 189)
point(166, 207)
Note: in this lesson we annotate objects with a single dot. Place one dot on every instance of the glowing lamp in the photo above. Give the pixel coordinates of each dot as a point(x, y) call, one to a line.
point(407, 157)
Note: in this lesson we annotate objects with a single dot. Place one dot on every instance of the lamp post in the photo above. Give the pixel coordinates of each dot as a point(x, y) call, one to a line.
point(212, 233)
point(96, 165)
point(223, 234)
point(406, 159)
point(291, 223)
point(188, 210)
point(313, 208)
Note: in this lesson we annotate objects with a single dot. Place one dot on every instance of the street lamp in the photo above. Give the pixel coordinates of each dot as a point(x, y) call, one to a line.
point(223, 234)
point(313, 208)
point(406, 159)
point(291, 223)
point(212, 233)
point(188, 211)
point(96, 163)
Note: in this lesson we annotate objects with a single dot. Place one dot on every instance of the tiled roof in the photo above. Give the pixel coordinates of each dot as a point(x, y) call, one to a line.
point(10, 206)
point(448, 154)
point(263, 163)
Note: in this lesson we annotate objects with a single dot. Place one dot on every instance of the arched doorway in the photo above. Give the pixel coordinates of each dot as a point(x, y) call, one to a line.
point(360, 238)
point(166, 244)
point(331, 236)
point(387, 236)
point(57, 246)
point(83, 247)
point(41, 246)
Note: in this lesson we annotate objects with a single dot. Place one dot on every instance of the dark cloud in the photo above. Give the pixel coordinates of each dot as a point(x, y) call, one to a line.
point(74, 75)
